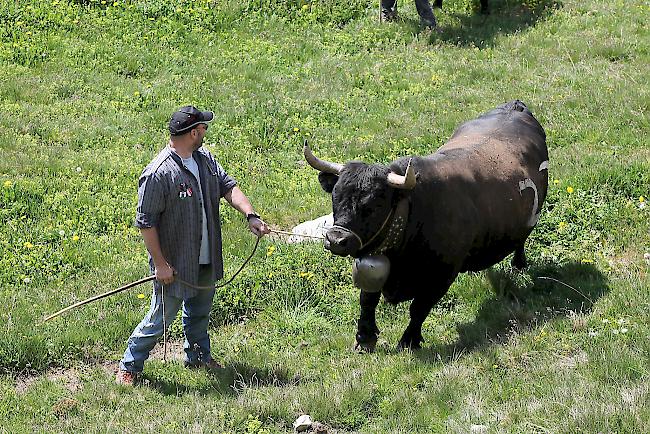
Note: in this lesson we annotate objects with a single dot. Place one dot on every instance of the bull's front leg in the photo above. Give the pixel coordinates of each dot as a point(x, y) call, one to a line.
point(369, 274)
point(419, 310)
point(367, 330)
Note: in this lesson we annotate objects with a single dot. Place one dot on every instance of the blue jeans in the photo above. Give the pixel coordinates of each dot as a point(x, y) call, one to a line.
point(196, 315)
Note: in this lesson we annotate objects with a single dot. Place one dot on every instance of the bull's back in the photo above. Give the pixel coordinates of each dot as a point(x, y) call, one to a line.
point(480, 185)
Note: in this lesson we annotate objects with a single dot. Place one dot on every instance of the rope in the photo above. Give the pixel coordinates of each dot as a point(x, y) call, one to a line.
point(147, 279)
point(162, 296)
point(567, 285)
point(318, 237)
point(229, 280)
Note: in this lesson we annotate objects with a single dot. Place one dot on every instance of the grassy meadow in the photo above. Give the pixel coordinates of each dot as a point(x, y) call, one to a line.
point(86, 90)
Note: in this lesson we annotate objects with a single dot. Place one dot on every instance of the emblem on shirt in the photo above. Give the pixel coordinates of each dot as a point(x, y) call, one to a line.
point(184, 190)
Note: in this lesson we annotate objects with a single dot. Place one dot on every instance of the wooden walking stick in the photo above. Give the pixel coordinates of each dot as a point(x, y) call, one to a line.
point(100, 296)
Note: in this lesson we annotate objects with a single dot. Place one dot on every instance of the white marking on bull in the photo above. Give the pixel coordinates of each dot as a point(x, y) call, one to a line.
point(528, 183)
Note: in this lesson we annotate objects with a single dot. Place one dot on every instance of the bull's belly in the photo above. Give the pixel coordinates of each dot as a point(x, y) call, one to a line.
point(487, 257)
point(414, 275)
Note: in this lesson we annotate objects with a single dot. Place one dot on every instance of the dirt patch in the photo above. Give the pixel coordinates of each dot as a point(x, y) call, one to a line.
point(70, 378)
point(174, 351)
point(571, 362)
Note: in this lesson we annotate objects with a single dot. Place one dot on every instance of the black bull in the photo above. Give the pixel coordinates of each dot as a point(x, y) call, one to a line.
point(413, 226)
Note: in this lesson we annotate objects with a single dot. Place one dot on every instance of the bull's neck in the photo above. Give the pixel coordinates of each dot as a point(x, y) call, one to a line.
point(392, 235)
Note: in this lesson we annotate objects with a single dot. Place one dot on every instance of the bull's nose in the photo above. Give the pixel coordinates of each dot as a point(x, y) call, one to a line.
point(341, 242)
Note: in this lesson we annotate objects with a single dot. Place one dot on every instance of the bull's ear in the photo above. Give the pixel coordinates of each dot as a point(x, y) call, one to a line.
point(327, 181)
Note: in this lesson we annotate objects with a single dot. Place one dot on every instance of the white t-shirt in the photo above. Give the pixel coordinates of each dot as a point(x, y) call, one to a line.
point(204, 256)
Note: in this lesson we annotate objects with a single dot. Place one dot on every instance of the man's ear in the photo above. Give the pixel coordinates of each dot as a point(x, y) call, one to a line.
point(327, 181)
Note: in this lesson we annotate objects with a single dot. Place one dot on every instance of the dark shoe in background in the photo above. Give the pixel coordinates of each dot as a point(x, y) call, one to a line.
point(212, 365)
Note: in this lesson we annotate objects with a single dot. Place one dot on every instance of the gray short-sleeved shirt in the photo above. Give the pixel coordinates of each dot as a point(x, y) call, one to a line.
point(168, 199)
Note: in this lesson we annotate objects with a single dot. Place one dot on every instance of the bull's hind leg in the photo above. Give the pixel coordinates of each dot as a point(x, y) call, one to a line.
point(519, 258)
point(367, 330)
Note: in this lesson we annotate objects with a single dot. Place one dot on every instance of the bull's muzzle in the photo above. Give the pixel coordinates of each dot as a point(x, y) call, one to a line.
point(342, 242)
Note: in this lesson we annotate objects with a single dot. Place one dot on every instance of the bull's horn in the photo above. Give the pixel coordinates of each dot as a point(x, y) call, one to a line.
point(318, 164)
point(405, 182)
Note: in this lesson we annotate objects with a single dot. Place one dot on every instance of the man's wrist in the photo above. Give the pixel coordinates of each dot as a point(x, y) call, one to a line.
point(252, 215)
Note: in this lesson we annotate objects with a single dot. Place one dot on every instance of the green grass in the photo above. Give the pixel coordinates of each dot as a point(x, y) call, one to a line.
point(86, 89)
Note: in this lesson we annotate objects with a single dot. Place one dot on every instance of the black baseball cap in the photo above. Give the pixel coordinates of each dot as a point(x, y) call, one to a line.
point(186, 118)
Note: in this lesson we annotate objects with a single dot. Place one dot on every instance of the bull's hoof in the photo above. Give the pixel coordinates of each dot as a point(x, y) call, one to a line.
point(401, 346)
point(365, 347)
point(365, 343)
point(409, 342)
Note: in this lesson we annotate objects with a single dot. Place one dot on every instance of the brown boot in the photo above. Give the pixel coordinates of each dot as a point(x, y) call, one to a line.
point(126, 378)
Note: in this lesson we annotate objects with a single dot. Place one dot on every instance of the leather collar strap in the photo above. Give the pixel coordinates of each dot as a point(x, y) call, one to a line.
point(395, 235)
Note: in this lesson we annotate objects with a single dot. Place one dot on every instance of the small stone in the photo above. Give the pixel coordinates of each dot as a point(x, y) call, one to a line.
point(302, 423)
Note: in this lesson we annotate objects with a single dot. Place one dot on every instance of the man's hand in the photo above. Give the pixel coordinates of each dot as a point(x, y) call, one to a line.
point(164, 273)
point(258, 227)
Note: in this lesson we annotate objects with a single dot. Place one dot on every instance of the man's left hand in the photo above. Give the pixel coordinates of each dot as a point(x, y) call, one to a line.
point(258, 227)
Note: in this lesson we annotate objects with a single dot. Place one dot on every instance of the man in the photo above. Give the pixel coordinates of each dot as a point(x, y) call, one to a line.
point(427, 19)
point(178, 217)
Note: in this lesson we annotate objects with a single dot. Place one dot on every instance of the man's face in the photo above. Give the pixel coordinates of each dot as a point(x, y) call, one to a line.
point(198, 133)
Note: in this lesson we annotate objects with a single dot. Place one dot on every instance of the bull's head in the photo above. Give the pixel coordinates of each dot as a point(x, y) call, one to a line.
point(363, 198)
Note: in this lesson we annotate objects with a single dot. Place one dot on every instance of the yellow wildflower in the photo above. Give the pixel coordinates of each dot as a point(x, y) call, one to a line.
point(562, 225)
point(587, 261)
point(296, 129)
point(641, 199)
point(556, 181)
point(569, 189)
point(7, 184)
point(28, 245)
point(75, 238)
point(270, 250)
point(140, 296)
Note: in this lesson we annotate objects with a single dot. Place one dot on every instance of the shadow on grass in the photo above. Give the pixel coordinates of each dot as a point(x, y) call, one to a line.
point(231, 381)
point(524, 300)
point(505, 18)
